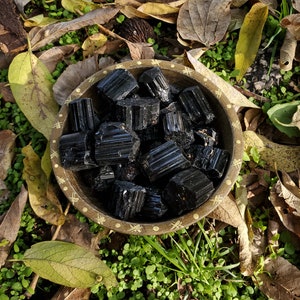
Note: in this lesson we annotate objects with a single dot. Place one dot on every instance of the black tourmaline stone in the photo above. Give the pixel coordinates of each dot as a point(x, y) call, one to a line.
point(196, 105)
point(154, 81)
point(206, 136)
point(138, 113)
point(99, 179)
point(177, 127)
point(82, 115)
point(127, 199)
point(115, 144)
point(166, 159)
point(153, 208)
point(187, 190)
point(117, 85)
point(77, 151)
point(212, 161)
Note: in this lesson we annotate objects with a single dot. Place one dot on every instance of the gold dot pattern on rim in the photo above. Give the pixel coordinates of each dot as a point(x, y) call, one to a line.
point(195, 216)
point(155, 228)
point(84, 209)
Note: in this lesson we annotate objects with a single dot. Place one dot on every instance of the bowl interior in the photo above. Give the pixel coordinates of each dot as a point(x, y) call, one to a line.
point(227, 124)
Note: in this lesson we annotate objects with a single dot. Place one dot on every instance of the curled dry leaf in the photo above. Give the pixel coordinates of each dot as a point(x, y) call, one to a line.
point(204, 21)
point(39, 20)
point(286, 157)
point(52, 56)
point(292, 24)
point(6, 93)
point(40, 37)
point(76, 6)
point(289, 220)
point(160, 11)
point(238, 3)
point(92, 43)
point(289, 191)
point(76, 74)
point(253, 118)
point(296, 5)
point(233, 96)
point(10, 225)
point(140, 50)
point(281, 279)
point(42, 197)
point(7, 146)
point(287, 52)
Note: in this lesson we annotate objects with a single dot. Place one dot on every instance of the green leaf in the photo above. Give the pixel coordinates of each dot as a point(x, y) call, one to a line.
point(31, 85)
point(68, 264)
point(250, 38)
point(283, 118)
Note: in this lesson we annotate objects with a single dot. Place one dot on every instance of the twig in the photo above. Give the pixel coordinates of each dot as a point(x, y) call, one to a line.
point(36, 277)
point(251, 94)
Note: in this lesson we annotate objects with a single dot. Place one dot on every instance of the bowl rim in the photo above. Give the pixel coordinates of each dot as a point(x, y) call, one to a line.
point(147, 228)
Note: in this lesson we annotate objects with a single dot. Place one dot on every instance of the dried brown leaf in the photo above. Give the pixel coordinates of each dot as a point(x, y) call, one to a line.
point(281, 280)
point(287, 52)
point(289, 220)
point(75, 74)
point(296, 5)
point(67, 293)
point(238, 3)
point(292, 24)
point(10, 225)
point(253, 118)
point(92, 43)
point(288, 190)
point(7, 145)
point(52, 56)
point(204, 21)
point(6, 92)
point(140, 50)
point(40, 37)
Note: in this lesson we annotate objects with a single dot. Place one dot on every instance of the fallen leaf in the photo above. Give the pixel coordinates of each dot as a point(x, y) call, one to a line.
point(291, 23)
point(233, 96)
point(296, 5)
point(52, 56)
point(286, 157)
point(46, 162)
point(281, 279)
point(76, 232)
point(40, 21)
point(237, 18)
point(36, 100)
point(133, 3)
point(67, 293)
point(92, 43)
point(21, 4)
point(250, 38)
point(289, 191)
point(160, 11)
point(40, 37)
point(204, 21)
point(76, 6)
point(253, 118)
point(287, 52)
point(140, 50)
point(7, 147)
point(288, 219)
point(10, 225)
point(286, 118)
point(76, 74)
point(41, 197)
point(68, 264)
point(4, 193)
point(238, 3)
point(132, 12)
point(6, 93)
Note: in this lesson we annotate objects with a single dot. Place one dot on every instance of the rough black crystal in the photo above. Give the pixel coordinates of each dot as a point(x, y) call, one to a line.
point(187, 190)
point(117, 85)
point(114, 144)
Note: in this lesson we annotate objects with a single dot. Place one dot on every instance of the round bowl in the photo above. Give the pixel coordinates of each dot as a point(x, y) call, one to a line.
point(227, 124)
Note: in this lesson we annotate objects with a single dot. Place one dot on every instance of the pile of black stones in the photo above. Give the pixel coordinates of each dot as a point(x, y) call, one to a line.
point(155, 155)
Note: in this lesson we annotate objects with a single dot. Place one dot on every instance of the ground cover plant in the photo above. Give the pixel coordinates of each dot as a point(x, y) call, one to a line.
point(247, 248)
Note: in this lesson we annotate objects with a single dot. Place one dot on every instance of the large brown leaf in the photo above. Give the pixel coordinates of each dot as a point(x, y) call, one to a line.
point(7, 144)
point(204, 21)
point(10, 225)
point(40, 37)
point(281, 280)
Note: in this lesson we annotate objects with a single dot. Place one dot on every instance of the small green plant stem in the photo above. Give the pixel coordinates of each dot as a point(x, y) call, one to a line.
point(36, 277)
